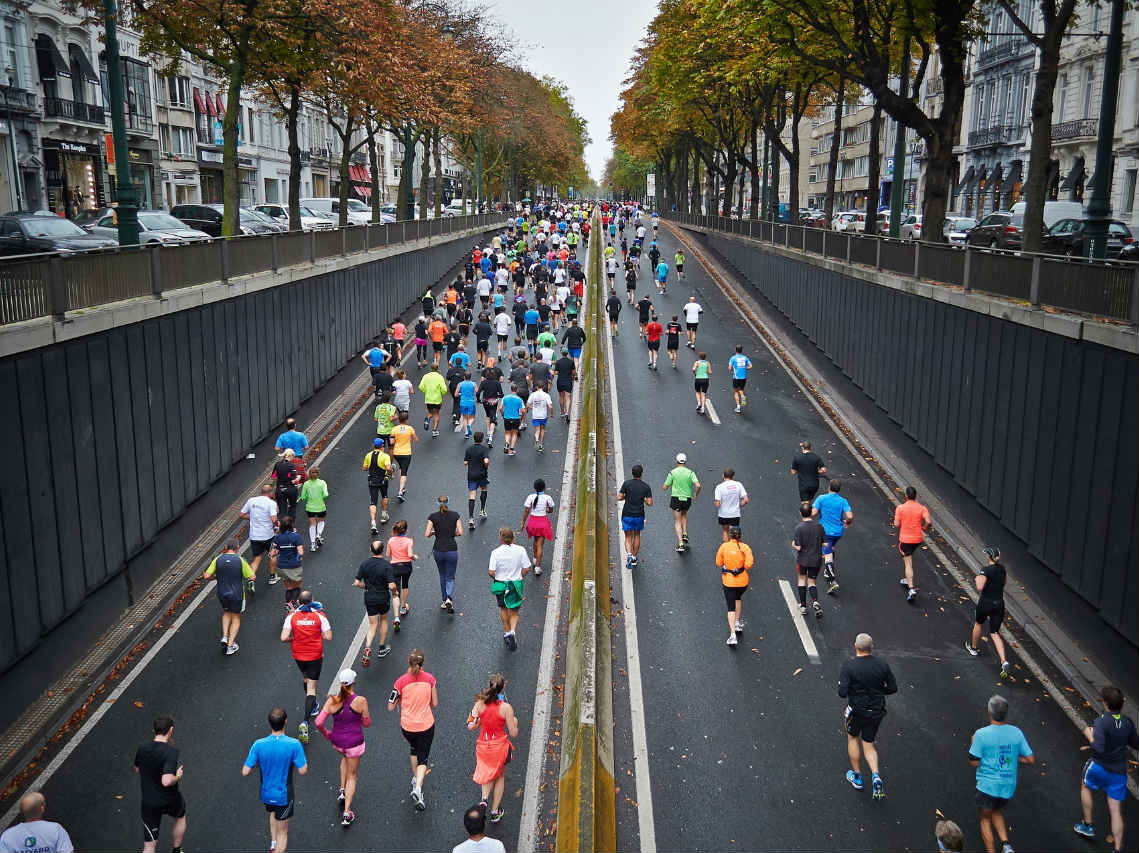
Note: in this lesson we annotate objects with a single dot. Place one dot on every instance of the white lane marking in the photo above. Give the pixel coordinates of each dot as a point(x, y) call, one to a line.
point(644, 791)
point(800, 623)
point(544, 689)
point(712, 413)
point(349, 655)
point(151, 653)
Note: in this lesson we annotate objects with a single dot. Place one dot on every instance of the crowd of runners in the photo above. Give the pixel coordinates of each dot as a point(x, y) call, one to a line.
point(503, 342)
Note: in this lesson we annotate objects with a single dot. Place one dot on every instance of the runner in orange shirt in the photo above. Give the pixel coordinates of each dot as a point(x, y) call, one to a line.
point(436, 332)
point(734, 558)
point(911, 519)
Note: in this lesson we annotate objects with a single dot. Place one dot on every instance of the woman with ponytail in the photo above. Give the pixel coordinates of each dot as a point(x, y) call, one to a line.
point(494, 718)
point(415, 694)
point(350, 716)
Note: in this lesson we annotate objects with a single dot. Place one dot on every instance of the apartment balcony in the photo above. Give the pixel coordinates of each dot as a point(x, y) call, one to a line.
point(990, 137)
point(999, 53)
point(139, 124)
point(73, 111)
point(1083, 128)
point(934, 86)
point(319, 153)
point(17, 100)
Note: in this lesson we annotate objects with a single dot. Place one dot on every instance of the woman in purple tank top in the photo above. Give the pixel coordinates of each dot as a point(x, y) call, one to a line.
point(350, 716)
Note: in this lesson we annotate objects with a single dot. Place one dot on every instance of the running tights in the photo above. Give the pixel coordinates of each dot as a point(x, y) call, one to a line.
point(803, 594)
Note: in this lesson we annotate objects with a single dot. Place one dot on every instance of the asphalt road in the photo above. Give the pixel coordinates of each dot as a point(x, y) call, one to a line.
point(746, 746)
point(220, 703)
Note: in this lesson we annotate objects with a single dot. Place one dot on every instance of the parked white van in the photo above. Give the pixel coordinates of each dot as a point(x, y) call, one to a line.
point(1054, 211)
point(358, 212)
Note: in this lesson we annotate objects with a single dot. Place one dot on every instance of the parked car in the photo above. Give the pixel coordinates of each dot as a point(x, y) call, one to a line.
point(310, 221)
point(154, 226)
point(1069, 237)
point(1001, 230)
point(842, 220)
point(911, 228)
point(1054, 211)
point(358, 212)
point(207, 218)
point(956, 228)
point(1130, 252)
point(257, 215)
point(29, 233)
point(92, 215)
point(454, 208)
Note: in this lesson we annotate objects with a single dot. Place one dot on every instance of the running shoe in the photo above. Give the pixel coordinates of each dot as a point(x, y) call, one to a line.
point(496, 816)
point(383, 651)
point(225, 641)
point(832, 587)
point(316, 545)
point(1006, 847)
point(232, 648)
point(878, 789)
point(537, 571)
point(636, 561)
point(818, 610)
point(684, 538)
point(743, 397)
point(1006, 670)
point(340, 799)
point(506, 450)
point(855, 780)
point(971, 649)
point(471, 524)
point(732, 641)
point(396, 624)
point(540, 448)
point(417, 798)
point(802, 610)
point(273, 579)
point(404, 610)
point(903, 582)
point(512, 642)
point(680, 548)
point(302, 732)
point(1084, 829)
point(426, 424)
point(366, 657)
point(738, 410)
point(912, 595)
point(482, 513)
point(740, 627)
point(443, 605)
point(434, 433)
point(347, 819)
point(383, 517)
point(402, 495)
point(449, 606)
point(375, 530)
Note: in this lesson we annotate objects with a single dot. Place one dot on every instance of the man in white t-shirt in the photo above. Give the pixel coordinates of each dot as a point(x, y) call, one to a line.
point(261, 513)
point(540, 403)
point(483, 290)
point(509, 563)
point(692, 311)
point(503, 323)
point(501, 277)
point(559, 274)
point(730, 498)
point(36, 835)
point(611, 269)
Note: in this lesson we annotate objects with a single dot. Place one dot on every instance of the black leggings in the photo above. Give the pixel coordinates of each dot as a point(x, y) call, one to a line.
point(421, 352)
point(287, 502)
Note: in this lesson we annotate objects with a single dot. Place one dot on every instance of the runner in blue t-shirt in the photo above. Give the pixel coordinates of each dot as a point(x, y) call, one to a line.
point(511, 406)
point(376, 357)
point(662, 276)
point(739, 364)
point(460, 358)
point(835, 515)
point(276, 756)
point(465, 391)
point(531, 318)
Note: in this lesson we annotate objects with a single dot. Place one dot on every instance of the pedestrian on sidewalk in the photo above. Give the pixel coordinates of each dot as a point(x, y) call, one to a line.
point(1110, 736)
point(808, 544)
point(734, 559)
point(46, 836)
point(261, 513)
point(276, 755)
point(401, 554)
point(377, 578)
point(415, 693)
point(730, 497)
point(306, 630)
point(231, 572)
point(807, 467)
point(292, 439)
point(474, 820)
point(990, 583)
point(864, 681)
point(509, 564)
point(997, 750)
point(634, 495)
point(536, 512)
point(835, 514)
point(314, 495)
point(378, 466)
point(159, 773)
point(494, 718)
point(445, 526)
point(350, 716)
point(911, 519)
point(685, 488)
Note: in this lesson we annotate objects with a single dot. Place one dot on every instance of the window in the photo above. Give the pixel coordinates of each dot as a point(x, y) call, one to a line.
point(12, 55)
point(178, 89)
point(1095, 18)
point(1007, 102)
point(1129, 190)
point(1063, 103)
point(1089, 79)
point(164, 136)
point(978, 106)
point(249, 124)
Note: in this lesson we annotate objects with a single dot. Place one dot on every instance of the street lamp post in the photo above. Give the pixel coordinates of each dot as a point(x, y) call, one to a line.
point(409, 171)
point(126, 212)
point(1099, 208)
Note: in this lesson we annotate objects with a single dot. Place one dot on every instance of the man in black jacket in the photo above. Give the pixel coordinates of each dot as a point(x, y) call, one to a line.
point(864, 682)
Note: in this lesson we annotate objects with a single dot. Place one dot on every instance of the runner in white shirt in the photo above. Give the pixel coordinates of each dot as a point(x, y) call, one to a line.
point(34, 834)
point(483, 289)
point(509, 563)
point(730, 498)
point(261, 513)
point(540, 404)
point(501, 277)
point(536, 512)
point(559, 274)
point(611, 269)
point(547, 355)
point(503, 323)
point(692, 311)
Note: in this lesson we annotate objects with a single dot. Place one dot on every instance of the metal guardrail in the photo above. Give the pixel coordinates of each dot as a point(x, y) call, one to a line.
point(586, 784)
point(1103, 289)
point(52, 284)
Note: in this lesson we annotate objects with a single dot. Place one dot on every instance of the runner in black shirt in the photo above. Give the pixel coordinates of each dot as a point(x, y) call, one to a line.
point(377, 578)
point(477, 462)
point(990, 582)
point(644, 312)
point(156, 763)
point(808, 544)
point(445, 526)
point(489, 393)
point(613, 309)
point(807, 466)
point(566, 370)
point(483, 330)
point(672, 330)
point(864, 681)
point(636, 494)
point(630, 281)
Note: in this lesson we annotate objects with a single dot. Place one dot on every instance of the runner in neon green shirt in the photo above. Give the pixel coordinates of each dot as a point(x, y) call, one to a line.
point(313, 495)
point(434, 388)
point(685, 487)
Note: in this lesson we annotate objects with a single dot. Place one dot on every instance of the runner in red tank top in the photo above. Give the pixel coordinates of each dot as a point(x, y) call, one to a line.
point(306, 629)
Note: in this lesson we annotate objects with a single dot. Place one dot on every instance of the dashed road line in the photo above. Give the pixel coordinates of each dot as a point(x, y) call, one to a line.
point(800, 624)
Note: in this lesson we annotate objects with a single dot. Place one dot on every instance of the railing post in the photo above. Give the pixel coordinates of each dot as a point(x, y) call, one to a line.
point(312, 246)
point(878, 253)
point(824, 250)
point(917, 256)
point(1133, 315)
point(155, 270)
point(804, 239)
point(57, 296)
point(344, 241)
point(224, 250)
point(1034, 283)
point(276, 247)
point(848, 238)
point(968, 263)
point(367, 237)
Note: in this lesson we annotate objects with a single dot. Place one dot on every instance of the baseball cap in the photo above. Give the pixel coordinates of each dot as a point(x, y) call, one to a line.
point(681, 458)
point(993, 552)
point(347, 676)
point(377, 442)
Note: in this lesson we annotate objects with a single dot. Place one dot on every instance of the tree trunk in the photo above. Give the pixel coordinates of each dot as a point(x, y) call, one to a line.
point(740, 192)
point(1039, 157)
point(836, 141)
point(425, 174)
point(373, 168)
point(875, 171)
point(437, 156)
point(730, 168)
point(696, 189)
point(345, 159)
point(291, 116)
point(407, 137)
point(231, 183)
point(755, 169)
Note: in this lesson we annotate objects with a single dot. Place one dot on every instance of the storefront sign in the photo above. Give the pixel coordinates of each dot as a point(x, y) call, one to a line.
point(72, 147)
point(210, 156)
point(139, 155)
point(246, 162)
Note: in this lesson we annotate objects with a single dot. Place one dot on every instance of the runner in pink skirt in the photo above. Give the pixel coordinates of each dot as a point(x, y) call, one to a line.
point(536, 514)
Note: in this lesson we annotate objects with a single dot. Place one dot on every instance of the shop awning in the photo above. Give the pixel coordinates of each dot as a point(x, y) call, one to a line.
point(221, 106)
point(1074, 175)
point(51, 63)
point(996, 175)
point(1015, 170)
point(966, 180)
point(210, 106)
point(80, 58)
point(363, 190)
point(359, 175)
point(200, 104)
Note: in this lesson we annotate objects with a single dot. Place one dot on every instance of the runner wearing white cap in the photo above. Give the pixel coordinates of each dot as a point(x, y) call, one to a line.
point(685, 486)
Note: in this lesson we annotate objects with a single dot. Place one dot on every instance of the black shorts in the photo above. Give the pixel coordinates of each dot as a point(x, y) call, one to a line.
point(377, 606)
point(692, 326)
point(862, 727)
point(807, 493)
point(310, 669)
point(728, 522)
point(993, 611)
point(631, 285)
point(531, 333)
point(420, 743)
point(673, 343)
point(679, 504)
point(432, 408)
point(491, 412)
point(315, 514)
point(654, 345)
point(739, 384)
point(232, 603)
point(906, 549)
point(701, 386)
point(680, 267)
point(511, 424)
point(152, 817)
point(402, 574)
point(281, 812)
point(437, 346)
point(732, 594)
point(404, 463)
point(375, 492)
point(259, 546)
point(482, 345)
point(565, 387)
point(811, 572)
point(989, 802)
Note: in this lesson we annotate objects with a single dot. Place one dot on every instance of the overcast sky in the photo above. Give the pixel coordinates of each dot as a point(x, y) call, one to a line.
point(587, 44)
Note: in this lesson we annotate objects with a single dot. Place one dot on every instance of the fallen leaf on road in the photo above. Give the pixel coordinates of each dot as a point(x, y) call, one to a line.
point(796, 672)
point(137, 703)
